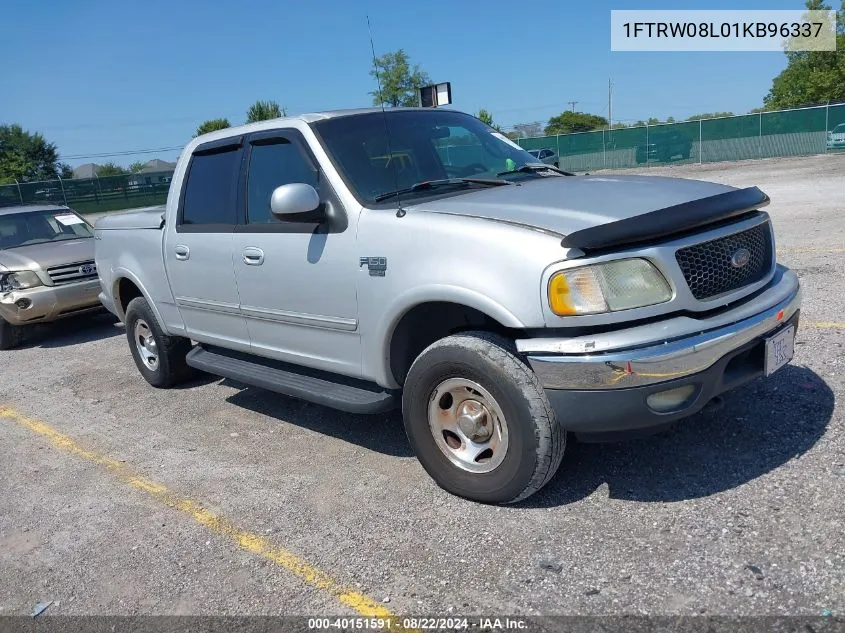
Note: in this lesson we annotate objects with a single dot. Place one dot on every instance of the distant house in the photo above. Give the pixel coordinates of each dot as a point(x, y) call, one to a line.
point(155, 172)
point(88, 170)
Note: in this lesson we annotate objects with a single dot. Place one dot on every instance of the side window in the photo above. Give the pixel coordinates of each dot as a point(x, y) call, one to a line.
point(271, 165)
point(210, 189)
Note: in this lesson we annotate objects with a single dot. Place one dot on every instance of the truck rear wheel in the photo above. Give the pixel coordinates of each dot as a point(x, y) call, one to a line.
point(10, 335)
point(479, 420)
point(160, 358)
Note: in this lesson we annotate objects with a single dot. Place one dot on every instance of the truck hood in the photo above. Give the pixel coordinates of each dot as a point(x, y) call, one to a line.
point(568, 205)
point(145, 218)
point(47, 255)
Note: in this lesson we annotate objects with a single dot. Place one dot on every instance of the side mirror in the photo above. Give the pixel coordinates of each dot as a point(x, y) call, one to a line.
point(295, 201)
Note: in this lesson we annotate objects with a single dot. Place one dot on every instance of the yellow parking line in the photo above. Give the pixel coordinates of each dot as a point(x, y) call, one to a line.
point(824, 324)
point(245, 540)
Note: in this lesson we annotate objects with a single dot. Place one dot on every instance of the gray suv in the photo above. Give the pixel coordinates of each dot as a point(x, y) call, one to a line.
point(47, 269)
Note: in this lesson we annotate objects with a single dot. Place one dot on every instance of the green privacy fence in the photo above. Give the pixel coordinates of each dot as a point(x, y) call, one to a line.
point(92, 195)
point(764, 135)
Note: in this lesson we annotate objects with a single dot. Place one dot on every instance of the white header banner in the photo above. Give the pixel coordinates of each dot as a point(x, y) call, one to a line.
point(727, 30)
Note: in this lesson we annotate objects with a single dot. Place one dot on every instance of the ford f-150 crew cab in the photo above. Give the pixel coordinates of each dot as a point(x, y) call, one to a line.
point(365, 260)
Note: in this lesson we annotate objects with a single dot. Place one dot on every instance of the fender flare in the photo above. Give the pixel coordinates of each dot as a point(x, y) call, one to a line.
point(439, 293)
point(124, 273)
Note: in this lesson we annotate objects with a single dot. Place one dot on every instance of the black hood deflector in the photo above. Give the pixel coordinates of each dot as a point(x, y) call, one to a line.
point(668, 221)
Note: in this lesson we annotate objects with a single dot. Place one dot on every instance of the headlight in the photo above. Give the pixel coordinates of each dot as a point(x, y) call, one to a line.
point(18, 281)
point(617, 285)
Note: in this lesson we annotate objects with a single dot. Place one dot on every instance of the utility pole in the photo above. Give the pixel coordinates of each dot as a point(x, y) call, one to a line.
point(572, 103)
point(609, 104)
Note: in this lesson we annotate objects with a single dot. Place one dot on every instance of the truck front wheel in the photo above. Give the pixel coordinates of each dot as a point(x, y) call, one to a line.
point(160, 358)
point(479, 420)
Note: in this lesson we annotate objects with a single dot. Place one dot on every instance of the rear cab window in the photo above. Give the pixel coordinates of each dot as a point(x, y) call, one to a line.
point(209, 201)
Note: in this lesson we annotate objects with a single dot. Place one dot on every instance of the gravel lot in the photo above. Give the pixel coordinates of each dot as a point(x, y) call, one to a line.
point(734, 512)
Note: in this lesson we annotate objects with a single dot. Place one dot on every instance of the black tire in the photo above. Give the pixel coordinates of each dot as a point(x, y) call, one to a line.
point(170, 368)
point(535, 441)
point(10, 335)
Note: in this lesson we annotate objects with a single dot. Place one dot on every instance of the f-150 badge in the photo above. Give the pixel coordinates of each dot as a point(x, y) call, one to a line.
point(376, 265)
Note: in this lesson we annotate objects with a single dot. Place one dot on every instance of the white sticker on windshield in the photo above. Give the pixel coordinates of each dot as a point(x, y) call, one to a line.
point(69, 219)
point(504, 138)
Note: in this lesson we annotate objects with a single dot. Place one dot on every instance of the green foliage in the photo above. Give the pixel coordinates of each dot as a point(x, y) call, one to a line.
point(110, 169)
point(137, 166)
point(262, 111)
point(486, 117)
point(400, 82)
point(213, 125)
point(25, 156)
point(64, 170)
point(567, 122)
point(709, 115)
point(811, 77)
point(652, 120)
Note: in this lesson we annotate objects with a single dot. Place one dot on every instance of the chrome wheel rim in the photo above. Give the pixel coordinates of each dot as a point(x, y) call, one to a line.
point(146, 345)
point(468, 425)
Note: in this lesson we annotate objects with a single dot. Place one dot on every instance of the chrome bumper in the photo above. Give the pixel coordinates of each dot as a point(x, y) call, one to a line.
point(48, 303)
point(661, 351)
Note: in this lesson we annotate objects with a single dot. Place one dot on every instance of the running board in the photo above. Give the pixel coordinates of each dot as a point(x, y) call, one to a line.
point(330, 390)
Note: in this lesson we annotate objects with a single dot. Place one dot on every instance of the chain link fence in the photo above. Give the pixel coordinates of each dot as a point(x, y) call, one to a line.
point(92, 195)
point(798, 132)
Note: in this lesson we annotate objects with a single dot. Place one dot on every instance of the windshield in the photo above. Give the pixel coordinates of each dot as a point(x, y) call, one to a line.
point(38, 227)
point(424, 146)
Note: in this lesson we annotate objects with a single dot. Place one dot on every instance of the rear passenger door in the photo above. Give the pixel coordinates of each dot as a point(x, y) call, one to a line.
point(198, 249)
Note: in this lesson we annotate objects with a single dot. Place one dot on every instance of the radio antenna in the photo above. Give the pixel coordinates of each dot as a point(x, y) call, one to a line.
point(400, 212)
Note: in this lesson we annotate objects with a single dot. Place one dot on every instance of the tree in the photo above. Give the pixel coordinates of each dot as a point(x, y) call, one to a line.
point(65, 171)
point(486, 117)
point(652, 121)
point(264, 110)
point(399, 82)
point(709, 115)
point(110, 169)
point(811, 77)
point(569, 121)
point(213, 125)
point(25, 156)
point(137, 166)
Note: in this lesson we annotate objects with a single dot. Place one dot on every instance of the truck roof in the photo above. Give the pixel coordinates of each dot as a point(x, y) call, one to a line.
point(308, 117)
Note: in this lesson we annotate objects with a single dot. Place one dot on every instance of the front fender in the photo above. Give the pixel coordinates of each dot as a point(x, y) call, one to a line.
point(377, 363)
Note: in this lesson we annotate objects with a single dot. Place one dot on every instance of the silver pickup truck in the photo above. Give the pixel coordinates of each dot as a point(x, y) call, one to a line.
point(366, 260)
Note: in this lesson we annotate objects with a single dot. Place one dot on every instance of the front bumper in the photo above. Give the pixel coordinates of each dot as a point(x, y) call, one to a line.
point(49, 303)
point(606, 389)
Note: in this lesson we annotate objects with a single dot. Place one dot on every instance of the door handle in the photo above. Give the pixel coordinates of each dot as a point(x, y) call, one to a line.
point(253, 256)
point(182, 252)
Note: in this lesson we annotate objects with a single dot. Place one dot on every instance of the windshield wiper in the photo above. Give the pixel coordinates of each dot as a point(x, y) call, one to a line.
point(431, 184)
point(533, 168)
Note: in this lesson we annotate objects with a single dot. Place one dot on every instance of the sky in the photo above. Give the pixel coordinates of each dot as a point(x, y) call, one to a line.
point(102, 77)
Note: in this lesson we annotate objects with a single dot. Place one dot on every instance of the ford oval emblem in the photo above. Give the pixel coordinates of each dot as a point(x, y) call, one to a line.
point(740, 258)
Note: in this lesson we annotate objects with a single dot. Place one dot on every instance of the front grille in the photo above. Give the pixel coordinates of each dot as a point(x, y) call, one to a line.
point(708, 268)
point(72, 273)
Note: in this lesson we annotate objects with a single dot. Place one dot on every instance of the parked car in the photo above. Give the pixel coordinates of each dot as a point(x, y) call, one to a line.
point(47, 268)
point(836, 137)
point(664, 145)
point(499, 303)
point(547, 156)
